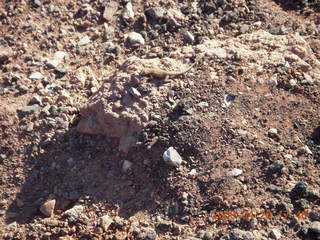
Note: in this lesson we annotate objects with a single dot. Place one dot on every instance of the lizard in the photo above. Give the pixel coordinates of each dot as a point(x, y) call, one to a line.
point(160, 73)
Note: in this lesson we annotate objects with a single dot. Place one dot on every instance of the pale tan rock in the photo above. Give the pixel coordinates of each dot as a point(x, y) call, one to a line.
point(5, 54)
point(47, 208)
point(110, 11)
point(105, 222)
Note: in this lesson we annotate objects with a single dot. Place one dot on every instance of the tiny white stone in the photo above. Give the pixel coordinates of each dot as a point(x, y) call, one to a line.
point(289, 156)
point(172, 157)
point(84, 41)
point(274, 80)
point(293, 82)
point(242, 132)
point(134, 92)
point(135, 39)
point(273, 131)
point(193, 173)
point(305, 149)
point(126, 165)
point(36, 76)
point(203, 104)
point(128, 13)
point(234, 172)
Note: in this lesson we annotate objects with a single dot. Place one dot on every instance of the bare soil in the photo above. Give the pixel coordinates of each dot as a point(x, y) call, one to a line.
point(43, 156)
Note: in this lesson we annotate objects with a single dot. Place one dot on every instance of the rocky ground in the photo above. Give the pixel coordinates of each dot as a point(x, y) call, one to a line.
point(92, 147)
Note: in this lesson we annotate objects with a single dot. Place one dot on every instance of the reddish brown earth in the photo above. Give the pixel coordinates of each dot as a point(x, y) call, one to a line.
point(44, 157)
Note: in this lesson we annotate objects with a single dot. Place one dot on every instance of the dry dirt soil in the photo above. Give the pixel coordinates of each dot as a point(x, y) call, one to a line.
point(247, 128)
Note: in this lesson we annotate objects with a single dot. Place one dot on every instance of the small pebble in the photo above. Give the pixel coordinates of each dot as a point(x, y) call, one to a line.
point(84, 41)
point(234, 172)
point(36, 76)
point(128, 13)
point(47, 207)
point(127, 165)
point(135, 39)
point(189, 37)
point(275, 234)
point(172, 157)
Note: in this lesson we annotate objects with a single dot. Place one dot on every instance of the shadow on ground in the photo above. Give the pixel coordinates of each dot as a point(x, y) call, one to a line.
point(79, 167)
point(288, 5)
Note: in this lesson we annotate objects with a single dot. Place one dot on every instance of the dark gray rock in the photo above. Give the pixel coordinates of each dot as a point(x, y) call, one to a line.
point(299, 190)
point(155, 13)
point(276, 167)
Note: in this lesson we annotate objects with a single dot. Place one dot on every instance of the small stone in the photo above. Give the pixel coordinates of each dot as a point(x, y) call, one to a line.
point(20, 203)
point(128, 13)
point(304, 150)
point(35, 100)
point(135, 39)
point(126, 165)
point(299, 190)
point(274, 80)
point(280, 149)
point(193, 173)
point(275, 234)
point(189, 37)
point(172, 157)
point(119, 221)
point(30, 127)
point(110, 10)
point(292, 82)
point(2, 158)
point(37, 3)
point(64, 95)
point(276, 166)
point(207, 236)
point(164, 225)
point(84, 41)
point(70, 161)
point(36, 76)
point(238, 234)
point(23, 88)
point(289, 156)
point(105, 222)
point(30, 109)
point(234, 172)
point(134, 228)
point(74, 213)
point(155, 13)
point(47, 207)
point(134, 92)
point(228, 99)
point(150, 235)
point(244, 28)
point(314, 215)
point(5, 54)
point(108, 31)
point(315, 228)
point(58, 58)
point(203, 104)
point(61, 69)
point(273, 133)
